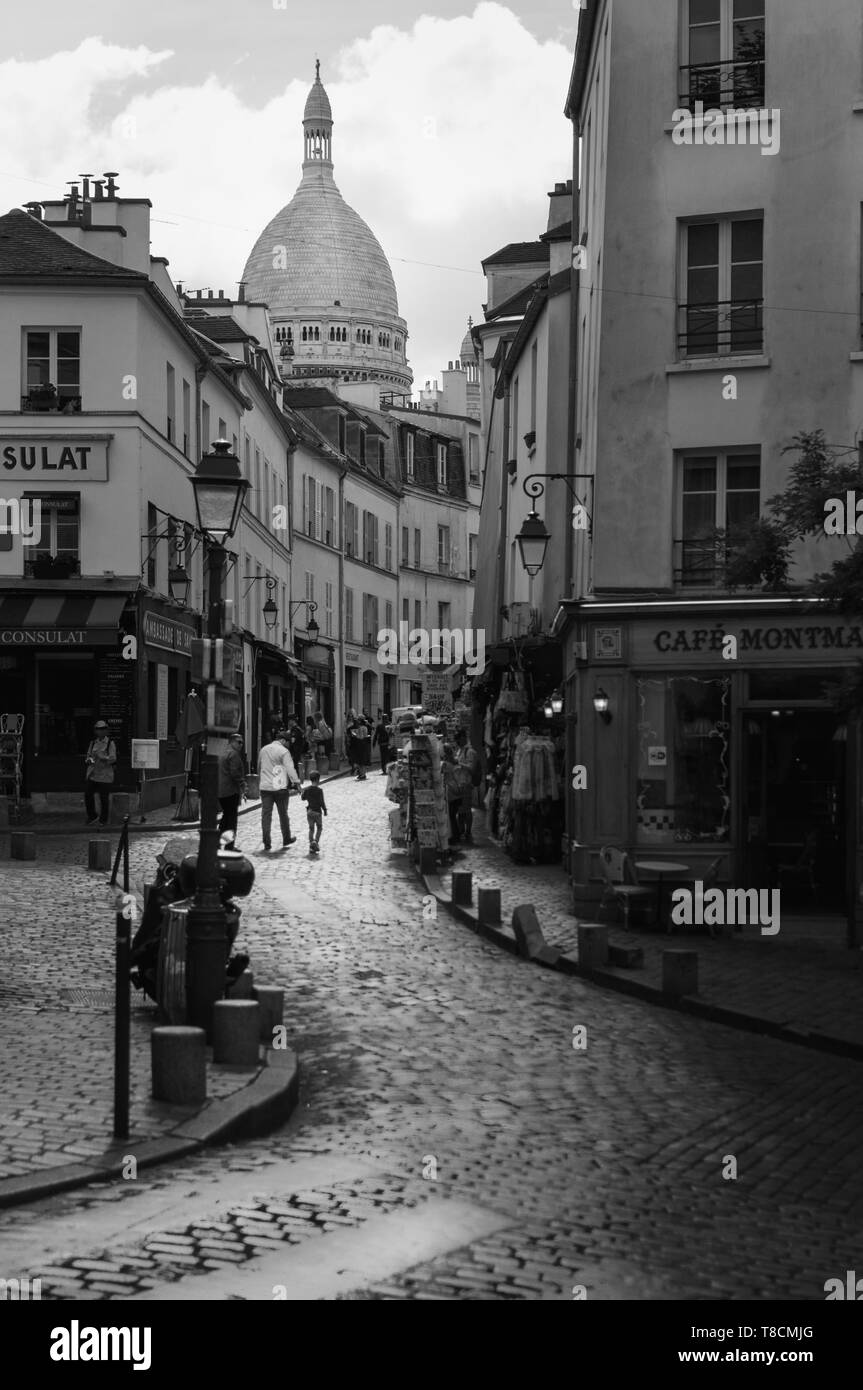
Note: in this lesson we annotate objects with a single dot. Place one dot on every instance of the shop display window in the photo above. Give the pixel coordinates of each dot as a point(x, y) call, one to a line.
point(684, 786)
point(65, 704)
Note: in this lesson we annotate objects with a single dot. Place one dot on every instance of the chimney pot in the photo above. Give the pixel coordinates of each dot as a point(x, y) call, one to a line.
point(221, 294)
point(209, 294)
point(98, 186)
point(111, 175)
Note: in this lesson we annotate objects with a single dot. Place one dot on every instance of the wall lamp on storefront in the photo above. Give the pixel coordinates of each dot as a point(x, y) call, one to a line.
point(312, 627)
point(533, 538)
point(556, 702)
point(271, 608)
point(179, 579)
point(601, 703)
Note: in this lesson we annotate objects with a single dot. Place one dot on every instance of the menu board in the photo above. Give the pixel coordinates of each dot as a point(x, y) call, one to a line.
point(115, 698)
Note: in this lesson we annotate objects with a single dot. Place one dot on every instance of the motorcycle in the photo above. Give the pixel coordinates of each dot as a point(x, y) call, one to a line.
point(176, 867)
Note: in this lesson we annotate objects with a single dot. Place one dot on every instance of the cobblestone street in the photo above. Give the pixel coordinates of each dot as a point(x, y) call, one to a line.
point(441, 1087)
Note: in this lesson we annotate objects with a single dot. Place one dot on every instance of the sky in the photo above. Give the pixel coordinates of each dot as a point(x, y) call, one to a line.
point(449, 128)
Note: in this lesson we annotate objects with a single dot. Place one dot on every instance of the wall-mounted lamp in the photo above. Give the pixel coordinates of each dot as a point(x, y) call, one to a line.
point(178, 583)
point(556, 702)
point(312, 627)
point(601, 703)
point(270, 609)
point(548, 710)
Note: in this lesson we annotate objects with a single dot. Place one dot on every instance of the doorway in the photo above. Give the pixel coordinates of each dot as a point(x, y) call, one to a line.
point(793, 812)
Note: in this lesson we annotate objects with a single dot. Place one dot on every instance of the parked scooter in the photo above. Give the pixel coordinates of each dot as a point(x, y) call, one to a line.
point(175, 881)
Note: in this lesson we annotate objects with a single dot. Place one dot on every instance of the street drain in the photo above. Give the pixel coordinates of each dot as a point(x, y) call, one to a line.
point(95, 998)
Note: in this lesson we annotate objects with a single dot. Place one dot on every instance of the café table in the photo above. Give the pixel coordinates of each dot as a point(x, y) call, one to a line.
point(662, 868)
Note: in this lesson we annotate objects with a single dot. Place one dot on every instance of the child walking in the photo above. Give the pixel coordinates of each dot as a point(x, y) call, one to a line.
point(315, 805)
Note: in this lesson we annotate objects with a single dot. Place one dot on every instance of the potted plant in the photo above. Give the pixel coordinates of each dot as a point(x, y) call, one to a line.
point(42, 396)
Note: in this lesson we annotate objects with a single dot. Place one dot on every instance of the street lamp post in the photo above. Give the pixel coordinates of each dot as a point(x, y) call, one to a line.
point(219, 491)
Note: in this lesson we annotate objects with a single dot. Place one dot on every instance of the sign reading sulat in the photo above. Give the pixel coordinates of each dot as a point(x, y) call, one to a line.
point(76, 459)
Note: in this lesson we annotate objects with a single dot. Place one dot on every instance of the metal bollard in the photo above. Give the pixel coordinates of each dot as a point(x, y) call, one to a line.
point(592, 945)
point(243, 987)
point(179, 1065)
point(462, 887)
point(488, 906)
point(22, 844)
point(236, 1031)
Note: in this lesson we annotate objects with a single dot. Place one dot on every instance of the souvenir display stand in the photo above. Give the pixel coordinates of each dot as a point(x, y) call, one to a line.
point(428, 819)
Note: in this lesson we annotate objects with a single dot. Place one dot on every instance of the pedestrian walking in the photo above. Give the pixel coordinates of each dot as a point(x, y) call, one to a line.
point(100, 759)
point(299, 746)
point(323, 734)
point(232, 786)
point(277, 774)
point(381, 741)
point(362, 736)
point(316, 809)
point(467, 757)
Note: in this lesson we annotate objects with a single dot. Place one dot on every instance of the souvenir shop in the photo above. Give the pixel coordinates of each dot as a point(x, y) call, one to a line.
point(519, 723)
point(418, 780)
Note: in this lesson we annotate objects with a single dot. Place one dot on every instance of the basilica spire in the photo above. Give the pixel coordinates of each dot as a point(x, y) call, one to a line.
point(318, 126)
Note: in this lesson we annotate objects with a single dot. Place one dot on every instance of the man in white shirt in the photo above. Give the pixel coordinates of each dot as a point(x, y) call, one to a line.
point(277, 773)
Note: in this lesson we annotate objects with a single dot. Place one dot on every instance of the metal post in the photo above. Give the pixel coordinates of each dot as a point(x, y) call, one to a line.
point(121, 1026)
point(206, 931)
point(122, 845)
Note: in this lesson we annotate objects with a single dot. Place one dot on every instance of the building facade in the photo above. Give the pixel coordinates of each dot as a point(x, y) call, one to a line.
point(708, 336)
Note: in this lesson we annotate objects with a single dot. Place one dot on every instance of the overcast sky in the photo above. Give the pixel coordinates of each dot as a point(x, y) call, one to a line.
point(449, 127)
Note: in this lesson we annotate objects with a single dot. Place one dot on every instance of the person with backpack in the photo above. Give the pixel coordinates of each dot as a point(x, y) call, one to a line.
point(100, 759)
point(277, 773)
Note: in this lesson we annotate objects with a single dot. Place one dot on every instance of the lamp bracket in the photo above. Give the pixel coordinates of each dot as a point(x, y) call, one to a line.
point(534, 487)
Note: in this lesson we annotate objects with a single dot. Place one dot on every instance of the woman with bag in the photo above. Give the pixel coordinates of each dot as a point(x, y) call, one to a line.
point(99, 762)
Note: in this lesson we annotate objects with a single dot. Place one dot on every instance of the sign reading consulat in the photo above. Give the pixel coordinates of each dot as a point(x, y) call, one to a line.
point(75, 458)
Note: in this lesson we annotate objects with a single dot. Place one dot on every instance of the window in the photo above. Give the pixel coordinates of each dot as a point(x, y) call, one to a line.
point(349, 615)
point(388, 615)
point(406, 610)
point(205, 428)
point(152, 547)
point(441, 465)
point(382, 459)
point(370, 538)
point(343, 434)
point(328, 608)
point(351, 529)
point(388, 546)
point(248, 468)
point(513, 448)
point(722, 287)
point(417, 549)
point(533, 363)
point(370, 620)
point(723, 61)
point(310, 591)
point(362, 446)
point(471, 556)
point(409, 454)
point(310, 508)
point(473, 458)
point(52, 358)
point(443, 550)
point(171, 402)
point(406, 546)
point(257, 480)
point(687, 796)
point(418, 612)
point(187, 420)
point(330, 517)
point(223, 429)
point(717, 493)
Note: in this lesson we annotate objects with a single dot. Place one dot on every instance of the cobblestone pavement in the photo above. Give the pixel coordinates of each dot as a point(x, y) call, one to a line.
point(803, 977)
point(437, 1070)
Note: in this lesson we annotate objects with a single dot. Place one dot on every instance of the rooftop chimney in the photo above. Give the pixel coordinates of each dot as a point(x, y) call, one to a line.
point(221, 294)
point(85, 185)
point(241, 292)
point(98, 187)
point(35, 210)
point(111, 175)
point(209, 294)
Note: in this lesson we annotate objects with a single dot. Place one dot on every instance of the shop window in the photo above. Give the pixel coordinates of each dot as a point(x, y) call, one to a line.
point(65, 705)
point(684, 760)
point(56, 554)
point(717, 492)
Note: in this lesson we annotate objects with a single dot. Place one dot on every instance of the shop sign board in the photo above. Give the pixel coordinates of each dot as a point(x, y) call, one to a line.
point(223, 710)
point(790, 639)
point(436, 692)
point(167, 635)
point(55, 459)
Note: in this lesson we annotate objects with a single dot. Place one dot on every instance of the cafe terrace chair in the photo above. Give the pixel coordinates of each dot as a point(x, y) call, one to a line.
point(621, 882)
point(708, 879)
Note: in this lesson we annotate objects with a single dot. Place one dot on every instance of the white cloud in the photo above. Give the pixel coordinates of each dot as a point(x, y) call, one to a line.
point(448, 135)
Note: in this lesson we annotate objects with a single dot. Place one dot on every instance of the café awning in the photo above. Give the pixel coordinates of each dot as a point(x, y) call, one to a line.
point(60, 620)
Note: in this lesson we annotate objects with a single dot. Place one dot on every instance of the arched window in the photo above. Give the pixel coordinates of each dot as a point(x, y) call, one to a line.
point(305, 331)
point(317, 335)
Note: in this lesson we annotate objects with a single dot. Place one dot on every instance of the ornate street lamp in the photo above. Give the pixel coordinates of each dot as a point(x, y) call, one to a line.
point(533, 542)
point(178, 583)
point(219, 488)
point(533, 538)
point(556, 702)
point(601, 703)
point(271, 608)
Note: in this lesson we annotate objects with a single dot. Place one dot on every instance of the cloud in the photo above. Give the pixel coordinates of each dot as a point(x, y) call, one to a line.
point(448, 135)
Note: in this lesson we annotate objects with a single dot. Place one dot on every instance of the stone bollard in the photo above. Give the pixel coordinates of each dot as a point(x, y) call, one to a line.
point(179, 1064)
point(462, 887)
point(592, 945)
point(488, 906)
point(427, 860)
point(99, 854)
point(272, 1002)
point(243, 987)
point(23, 844)
point(236, 1030)
point(679, 972)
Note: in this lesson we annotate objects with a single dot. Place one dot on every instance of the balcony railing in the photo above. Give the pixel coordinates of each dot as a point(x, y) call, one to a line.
point(45, 403)
point(64, 565)
point(723, 327)
point(700, 563)
point(737, 83)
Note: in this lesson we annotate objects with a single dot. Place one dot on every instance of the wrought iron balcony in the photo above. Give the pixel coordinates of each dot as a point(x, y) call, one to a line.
point(723, 327)
point(39, 565)
point(47, 402)
point(738, 83)
point(700, 564)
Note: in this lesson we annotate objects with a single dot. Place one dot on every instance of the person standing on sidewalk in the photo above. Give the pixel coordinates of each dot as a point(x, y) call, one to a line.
point(362, 747)
point(277, 773)
point(99, 761)
point(467, 758)
point(232, 785)
point(381, 740)
point(316, 809)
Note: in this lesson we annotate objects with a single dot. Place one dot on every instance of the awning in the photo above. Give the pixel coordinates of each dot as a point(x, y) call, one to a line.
point(289, 665)
point(60, 620)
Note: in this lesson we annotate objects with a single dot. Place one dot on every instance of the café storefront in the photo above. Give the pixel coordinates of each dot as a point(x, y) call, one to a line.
point(720, 744)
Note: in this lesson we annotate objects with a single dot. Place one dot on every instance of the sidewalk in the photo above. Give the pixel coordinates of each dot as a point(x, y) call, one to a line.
point(803, 984)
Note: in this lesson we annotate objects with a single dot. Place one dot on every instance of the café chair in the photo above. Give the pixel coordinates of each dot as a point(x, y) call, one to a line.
point(621, 882)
